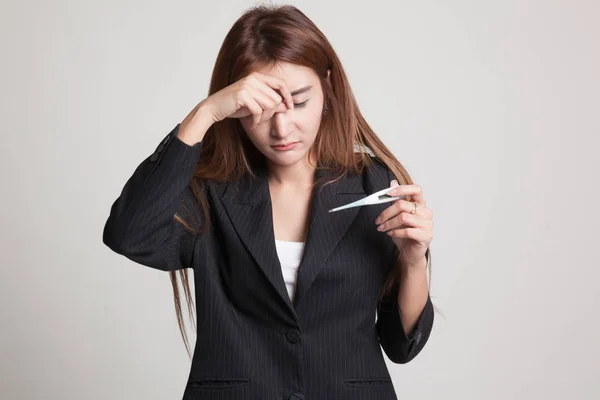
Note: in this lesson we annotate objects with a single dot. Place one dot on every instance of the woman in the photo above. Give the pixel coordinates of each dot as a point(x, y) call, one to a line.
point(240, 191)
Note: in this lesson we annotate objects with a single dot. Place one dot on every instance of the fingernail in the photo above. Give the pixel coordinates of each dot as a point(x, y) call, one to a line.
point(380, 228)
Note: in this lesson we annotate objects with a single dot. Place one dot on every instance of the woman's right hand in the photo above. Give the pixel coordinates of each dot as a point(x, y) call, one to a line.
point(254, 94)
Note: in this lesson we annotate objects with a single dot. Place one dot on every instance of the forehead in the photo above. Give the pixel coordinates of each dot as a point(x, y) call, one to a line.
point(294, 75)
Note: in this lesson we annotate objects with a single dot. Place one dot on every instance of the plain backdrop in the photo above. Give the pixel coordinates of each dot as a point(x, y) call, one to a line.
point(492, 106)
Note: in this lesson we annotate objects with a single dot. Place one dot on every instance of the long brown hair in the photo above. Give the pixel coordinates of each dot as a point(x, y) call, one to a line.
point(266, 35)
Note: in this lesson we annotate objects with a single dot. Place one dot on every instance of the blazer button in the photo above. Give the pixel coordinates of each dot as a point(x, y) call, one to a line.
point(293, 335)
point(160, 147)
point(154, 157)
point(297, 396)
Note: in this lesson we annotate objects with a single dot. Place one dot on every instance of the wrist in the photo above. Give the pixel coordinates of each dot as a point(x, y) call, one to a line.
point(420, 265)
point(205, 112)
point(195, 126)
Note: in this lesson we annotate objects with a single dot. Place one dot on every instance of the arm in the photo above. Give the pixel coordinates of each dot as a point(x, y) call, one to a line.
point(412, 294)
point(141, 224)
point(403, 334)
point(405, 319)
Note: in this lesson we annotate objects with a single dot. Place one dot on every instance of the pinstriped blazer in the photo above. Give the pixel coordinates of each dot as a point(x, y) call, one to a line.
point(253, 342)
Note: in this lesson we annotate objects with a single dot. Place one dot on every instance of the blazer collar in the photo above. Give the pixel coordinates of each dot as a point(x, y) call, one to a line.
point(248, 203)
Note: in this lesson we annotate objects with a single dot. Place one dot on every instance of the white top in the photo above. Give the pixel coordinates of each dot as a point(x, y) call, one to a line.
point(290, 254)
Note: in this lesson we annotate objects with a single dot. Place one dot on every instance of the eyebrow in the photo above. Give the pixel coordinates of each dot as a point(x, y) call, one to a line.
point(301, 90)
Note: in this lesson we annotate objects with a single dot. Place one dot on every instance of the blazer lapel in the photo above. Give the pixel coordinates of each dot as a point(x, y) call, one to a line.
point(326, 229)
point(248, 203)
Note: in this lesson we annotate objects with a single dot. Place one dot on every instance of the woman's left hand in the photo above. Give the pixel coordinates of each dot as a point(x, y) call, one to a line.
point(411, 231)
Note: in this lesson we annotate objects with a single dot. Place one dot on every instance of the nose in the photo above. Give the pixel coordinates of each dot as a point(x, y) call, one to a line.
point(281, 124)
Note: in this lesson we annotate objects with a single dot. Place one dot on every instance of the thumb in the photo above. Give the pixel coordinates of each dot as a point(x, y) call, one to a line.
point(394, 183)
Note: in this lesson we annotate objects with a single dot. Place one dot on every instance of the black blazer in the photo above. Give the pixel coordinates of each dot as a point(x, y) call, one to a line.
point(253, 342)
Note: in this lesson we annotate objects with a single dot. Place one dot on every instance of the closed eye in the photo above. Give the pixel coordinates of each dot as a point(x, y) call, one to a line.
point(300, 105)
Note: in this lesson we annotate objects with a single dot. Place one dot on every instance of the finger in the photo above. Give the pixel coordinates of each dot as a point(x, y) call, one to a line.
point(268, 105)
point(405, 220)
point(415, 192)
point(396, 208)
point(255, 108)
point(277, 100)
point(279, 84)
point(266, 89)
point(410, 233)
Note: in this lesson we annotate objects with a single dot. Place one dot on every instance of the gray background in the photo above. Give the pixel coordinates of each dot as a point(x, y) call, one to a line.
point(491, 105)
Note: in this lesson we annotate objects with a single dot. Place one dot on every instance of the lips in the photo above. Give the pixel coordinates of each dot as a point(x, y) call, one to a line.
point(284, 145)
point(289, 146)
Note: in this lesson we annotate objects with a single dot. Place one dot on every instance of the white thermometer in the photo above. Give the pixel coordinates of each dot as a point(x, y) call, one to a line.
point(375, 198)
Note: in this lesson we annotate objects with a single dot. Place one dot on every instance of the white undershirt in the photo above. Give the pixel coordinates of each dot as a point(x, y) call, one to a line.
point(290, 254)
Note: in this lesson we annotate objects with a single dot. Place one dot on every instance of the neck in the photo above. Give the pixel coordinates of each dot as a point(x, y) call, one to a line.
point(299, 175)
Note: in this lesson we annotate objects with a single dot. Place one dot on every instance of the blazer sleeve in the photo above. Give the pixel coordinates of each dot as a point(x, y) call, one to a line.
point(398, 346)
point(141, 224)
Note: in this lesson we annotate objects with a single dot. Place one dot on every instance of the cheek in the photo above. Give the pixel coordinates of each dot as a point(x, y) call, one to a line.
point(313, 123)
point(261, 140)
point(246, 123)
point(254, 134)
point(310, 120)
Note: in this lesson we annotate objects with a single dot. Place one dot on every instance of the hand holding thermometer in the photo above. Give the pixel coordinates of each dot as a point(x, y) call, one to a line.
point(375, 198)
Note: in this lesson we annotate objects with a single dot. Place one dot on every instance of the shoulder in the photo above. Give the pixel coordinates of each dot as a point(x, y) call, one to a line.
point(376, 169)
point(377, 174)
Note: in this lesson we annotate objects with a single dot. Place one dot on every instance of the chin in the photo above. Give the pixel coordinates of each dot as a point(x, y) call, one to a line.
point(285, 158)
